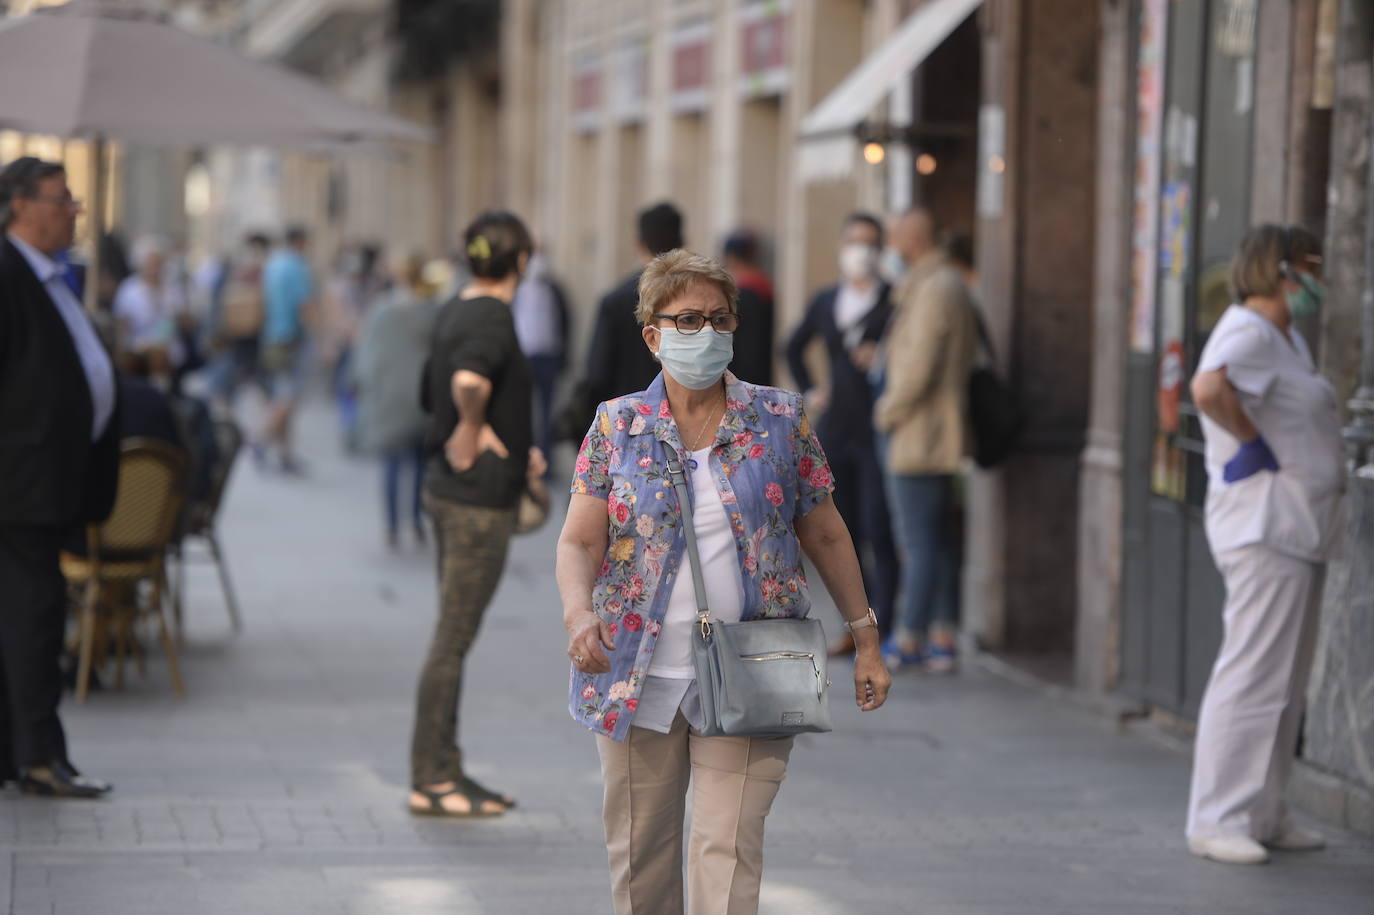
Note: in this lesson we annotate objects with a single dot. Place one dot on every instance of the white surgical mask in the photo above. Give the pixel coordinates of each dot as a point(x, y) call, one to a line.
point(893, 268)
point(697, 360)
point(858, 262)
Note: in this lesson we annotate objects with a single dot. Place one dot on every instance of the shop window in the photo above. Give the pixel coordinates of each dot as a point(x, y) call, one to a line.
point(1204, 194)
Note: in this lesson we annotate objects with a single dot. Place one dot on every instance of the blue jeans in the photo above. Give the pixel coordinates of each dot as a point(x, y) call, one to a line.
point(546, 370)
point(414, 455)
point(930, 564)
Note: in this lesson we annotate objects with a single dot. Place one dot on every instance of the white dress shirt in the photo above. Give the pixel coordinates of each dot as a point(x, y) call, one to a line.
point(96, 362)
point(852, 305)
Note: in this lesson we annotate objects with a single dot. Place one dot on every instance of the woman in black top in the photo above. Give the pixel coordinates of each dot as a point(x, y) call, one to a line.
point(477, 387)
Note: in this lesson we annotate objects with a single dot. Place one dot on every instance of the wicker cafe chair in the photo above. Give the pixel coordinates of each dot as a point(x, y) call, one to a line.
point(200, 523)
point(129, 548)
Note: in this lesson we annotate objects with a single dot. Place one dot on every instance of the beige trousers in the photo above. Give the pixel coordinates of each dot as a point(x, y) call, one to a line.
point(1247, 731)
point(734, 781)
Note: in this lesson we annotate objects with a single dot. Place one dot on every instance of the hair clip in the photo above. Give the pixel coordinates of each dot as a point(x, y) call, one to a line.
point(479, 248)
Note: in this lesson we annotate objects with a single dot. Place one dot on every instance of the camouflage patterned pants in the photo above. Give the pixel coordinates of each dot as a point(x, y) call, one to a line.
point(472, 544)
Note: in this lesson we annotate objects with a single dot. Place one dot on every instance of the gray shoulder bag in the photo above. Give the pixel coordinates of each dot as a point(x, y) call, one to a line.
point(762, 678)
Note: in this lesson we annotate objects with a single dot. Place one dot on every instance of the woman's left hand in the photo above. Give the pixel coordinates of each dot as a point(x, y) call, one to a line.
point(871, 679)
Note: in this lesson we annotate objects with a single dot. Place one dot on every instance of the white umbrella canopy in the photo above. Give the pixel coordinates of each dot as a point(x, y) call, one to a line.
point(97, 69)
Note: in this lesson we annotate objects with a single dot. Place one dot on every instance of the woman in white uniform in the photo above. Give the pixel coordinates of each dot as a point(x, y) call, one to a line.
point(1276, 474)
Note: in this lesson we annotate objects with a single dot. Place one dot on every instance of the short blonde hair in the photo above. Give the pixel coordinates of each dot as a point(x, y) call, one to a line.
point(672, 273)
point(1255, 266)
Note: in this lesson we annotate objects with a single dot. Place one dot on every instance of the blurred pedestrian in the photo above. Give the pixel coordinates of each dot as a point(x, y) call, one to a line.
point(237, 313)
point(617, 361)
point(148, 310)
point(479, 390)
point(752, 456)
point(57, 470)
point(923, 426)
point(850, 318)
point(542, 323)
point(754, 339)
point(393, 343)
point(356, 284)
point(287, 292)
point(1275, 481)
point(740, 255)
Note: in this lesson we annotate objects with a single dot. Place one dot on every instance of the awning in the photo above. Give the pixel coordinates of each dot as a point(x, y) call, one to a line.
point(827, 142)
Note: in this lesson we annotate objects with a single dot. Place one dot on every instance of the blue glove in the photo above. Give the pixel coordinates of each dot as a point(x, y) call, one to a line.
point(1250, 460)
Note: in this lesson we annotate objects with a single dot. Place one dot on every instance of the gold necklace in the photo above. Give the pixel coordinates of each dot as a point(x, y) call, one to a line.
point(707, 425)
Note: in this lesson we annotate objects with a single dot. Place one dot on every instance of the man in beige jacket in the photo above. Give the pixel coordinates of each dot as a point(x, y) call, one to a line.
point(922, 421)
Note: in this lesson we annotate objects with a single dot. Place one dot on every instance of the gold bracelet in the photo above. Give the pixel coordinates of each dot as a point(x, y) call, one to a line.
point(870, 620)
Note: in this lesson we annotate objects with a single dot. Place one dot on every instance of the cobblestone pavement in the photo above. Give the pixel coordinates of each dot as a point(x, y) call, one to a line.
point(278, 784)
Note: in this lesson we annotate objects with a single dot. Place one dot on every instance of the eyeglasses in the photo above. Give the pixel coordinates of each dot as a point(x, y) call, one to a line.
point(690, 322)
point(66, 200)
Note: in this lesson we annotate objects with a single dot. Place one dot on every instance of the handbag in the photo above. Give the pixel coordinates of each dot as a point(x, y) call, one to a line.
point(762, 678)
point(995, 412)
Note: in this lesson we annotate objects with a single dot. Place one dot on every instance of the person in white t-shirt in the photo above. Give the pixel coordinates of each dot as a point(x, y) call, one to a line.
point(147, 309)
point(1276, 477)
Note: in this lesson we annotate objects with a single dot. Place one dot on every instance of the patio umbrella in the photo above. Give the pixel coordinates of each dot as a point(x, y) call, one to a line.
point(99, 70)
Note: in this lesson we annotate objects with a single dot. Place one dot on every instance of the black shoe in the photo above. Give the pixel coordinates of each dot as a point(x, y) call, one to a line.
point(61, 780)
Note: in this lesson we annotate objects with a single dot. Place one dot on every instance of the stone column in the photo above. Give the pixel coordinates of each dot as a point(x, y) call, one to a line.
point(1337, 781)
point(1097, 637)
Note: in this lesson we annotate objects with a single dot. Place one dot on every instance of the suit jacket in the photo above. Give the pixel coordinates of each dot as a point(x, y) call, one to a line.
point(753, 360)
point(848, 422)
point(51, 473)
point(618, 362)
point(930, 352)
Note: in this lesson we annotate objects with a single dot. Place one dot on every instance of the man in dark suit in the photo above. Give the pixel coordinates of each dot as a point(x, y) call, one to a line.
point(59, 462)
point(850, 318)
point(618, 362)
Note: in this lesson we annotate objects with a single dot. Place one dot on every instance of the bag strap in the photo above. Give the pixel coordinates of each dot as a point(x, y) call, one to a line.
point(679, 478)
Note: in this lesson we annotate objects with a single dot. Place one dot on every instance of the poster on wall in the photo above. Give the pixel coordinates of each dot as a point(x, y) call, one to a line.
point(1169, 476)
point(1154, 20)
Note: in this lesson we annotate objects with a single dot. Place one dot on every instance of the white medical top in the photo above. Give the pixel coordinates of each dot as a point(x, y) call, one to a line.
point(1297, 510)
point(672, 658)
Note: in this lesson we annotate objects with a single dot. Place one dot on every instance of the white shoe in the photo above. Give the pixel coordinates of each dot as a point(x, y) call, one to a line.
point(1228, 849)
point(1295, 838)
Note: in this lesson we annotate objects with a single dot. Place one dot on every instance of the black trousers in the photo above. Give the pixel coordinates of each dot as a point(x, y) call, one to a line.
point(33, 615)
point(861, 498)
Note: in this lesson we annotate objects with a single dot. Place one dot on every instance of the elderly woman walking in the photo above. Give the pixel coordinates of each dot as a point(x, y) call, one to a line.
point(1276, 473)
point(761, 497)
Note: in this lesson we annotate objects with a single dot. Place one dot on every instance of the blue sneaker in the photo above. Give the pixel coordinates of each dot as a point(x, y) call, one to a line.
point(896, 659)
point(941, 659)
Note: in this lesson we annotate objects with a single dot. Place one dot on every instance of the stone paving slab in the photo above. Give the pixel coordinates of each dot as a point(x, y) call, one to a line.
point(278, 785)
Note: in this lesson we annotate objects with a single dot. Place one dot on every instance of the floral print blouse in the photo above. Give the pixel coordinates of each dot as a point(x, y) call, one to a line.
point(769, 469)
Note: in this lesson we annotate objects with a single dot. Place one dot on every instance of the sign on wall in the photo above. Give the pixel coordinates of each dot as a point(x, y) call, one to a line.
point(764, 32)
point(1154, 21)
point(586, 91)
point(630, 89)
point(691, 66)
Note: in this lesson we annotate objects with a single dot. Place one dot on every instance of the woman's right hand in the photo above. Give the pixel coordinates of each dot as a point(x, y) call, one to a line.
point(588, 634)
point(467, 443)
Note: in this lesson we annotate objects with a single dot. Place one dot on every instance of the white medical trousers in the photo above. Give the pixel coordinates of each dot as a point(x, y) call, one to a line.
point(1248, 727)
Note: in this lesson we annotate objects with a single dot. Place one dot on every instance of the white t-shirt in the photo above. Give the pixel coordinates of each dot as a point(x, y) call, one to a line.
point(720, 567)
point(1297, 510)
point(148, 318)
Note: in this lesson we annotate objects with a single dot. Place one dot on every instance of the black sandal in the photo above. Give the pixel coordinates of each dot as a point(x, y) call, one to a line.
point(436, 806)
point(473, 789)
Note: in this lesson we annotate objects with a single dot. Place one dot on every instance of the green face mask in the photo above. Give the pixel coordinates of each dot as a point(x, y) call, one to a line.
point(1307, 299)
